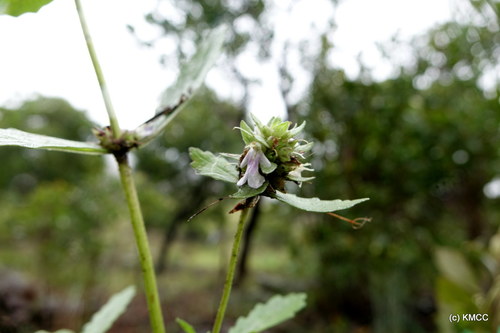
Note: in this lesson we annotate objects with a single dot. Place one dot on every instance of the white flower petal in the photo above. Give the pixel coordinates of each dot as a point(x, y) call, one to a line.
point(242, 180)
point(263, 161)
point(255, 180)
point(249, 155)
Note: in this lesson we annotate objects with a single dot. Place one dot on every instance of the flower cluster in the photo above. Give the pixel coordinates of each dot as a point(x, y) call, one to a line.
point(272, 154)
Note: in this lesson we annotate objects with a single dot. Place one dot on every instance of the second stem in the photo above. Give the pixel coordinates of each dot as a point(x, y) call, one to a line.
point(230, 273)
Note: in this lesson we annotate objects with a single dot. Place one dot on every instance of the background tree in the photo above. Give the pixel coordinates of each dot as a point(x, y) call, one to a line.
point(422, 147)
point(420, 144)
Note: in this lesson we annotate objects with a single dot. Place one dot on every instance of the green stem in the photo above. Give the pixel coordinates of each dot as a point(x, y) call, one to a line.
point(141, 238)
point(146, 260)
point(97, 68)
point(230, 273)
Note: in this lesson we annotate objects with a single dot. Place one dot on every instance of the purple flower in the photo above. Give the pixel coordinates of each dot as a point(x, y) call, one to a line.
point(252, 160)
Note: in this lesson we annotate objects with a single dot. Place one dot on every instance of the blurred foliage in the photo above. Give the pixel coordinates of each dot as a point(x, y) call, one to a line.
point(469, 283)
point(56, 208)
point(185, 21)
point(422, 146)
point(251, 35)
point(68, 229)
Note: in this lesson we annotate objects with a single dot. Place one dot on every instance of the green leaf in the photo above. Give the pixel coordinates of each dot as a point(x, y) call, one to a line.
point(315, 204)
point(185, 326)
point(15, 137)
point(246, 191)
point(58, 331)
point(192, 75)
point(207, 164)
point(103, 319)
point(275, 311)
point(18, 7)
point(453, 265)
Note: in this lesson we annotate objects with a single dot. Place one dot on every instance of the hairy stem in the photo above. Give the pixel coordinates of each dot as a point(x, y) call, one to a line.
point(98, 72)
point(230, 273)
point(154, 307)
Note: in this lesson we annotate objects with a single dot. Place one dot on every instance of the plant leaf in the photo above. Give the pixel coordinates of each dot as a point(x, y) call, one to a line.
point(15, 137)
point(454, 266)
point(185, 326)
point(103, 319)
point(58, 331)
point(207, 164)
point(18, 7)
point(192, 75)
point(275, 311)
point(246, 191)
point(315, 204)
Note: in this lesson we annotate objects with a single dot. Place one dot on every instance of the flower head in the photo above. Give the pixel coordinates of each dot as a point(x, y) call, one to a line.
point(272, 154)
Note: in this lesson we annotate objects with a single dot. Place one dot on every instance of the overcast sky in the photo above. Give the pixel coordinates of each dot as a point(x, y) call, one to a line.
point(44, 53)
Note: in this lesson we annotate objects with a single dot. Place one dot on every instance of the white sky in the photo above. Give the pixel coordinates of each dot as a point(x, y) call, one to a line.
point(44, 53)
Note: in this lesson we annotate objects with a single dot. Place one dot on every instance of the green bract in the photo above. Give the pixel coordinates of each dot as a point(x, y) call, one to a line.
point(272, 156)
